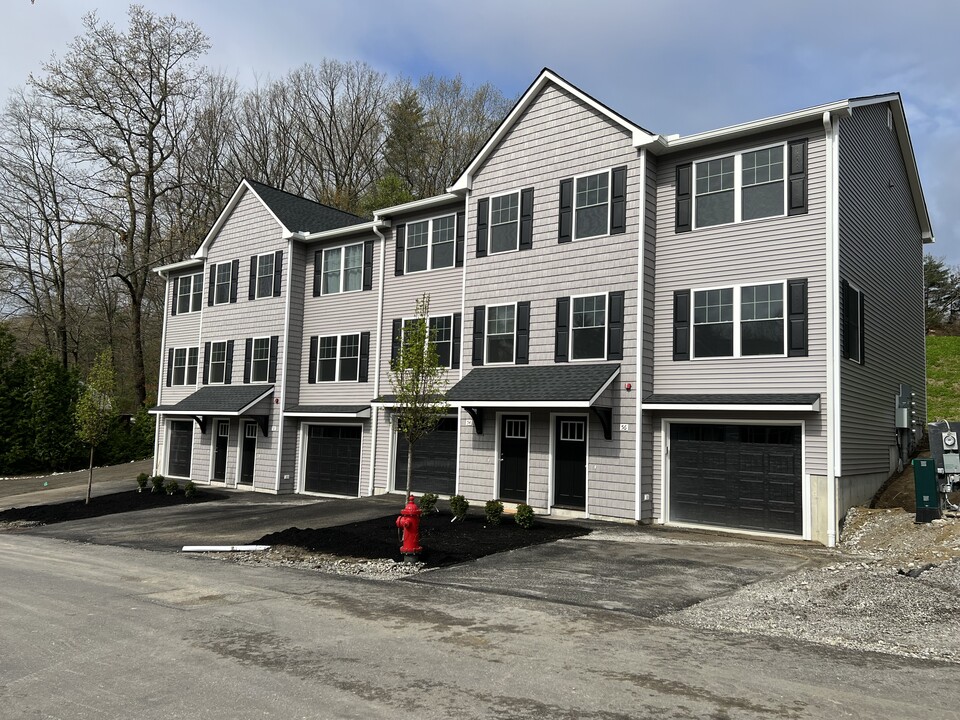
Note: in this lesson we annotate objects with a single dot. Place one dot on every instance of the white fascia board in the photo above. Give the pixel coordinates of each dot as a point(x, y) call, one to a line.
point(639, 136)
point(910, 164)
point(600, 392)
point(341, 232)
point(424, 204)
point(242, 188)
point(522, 403)
point(748, 128)
point(812, 407)
point(163, 270)
point(363, 414)
point(254, 402)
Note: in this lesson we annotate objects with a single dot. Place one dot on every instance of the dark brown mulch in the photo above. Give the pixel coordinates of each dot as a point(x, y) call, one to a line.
point(100, 505)
point(444, 542)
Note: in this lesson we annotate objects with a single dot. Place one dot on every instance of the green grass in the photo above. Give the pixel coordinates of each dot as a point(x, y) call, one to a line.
point(943, 378)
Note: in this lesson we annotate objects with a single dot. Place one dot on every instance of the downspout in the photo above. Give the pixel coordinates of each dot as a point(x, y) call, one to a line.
point(463, 318)
point(641, 256)
point(833, 324)
point(285, 363)
point(376, 373)
point(160, 383)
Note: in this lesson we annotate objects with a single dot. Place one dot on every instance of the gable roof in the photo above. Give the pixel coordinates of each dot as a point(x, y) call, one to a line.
point(639, 136)
point(294, 214)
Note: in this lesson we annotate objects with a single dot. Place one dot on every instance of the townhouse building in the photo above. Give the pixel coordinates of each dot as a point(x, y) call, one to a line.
point(712, 330)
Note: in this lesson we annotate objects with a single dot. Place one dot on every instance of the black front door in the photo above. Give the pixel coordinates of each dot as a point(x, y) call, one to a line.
point(570, 463)
point(249, 453)
point(333, 459)
point(513, 457)
point(220, 455)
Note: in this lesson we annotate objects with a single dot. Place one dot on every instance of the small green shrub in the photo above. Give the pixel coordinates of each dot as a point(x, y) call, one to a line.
point(142, 480)
point(157, 483)
point(428, 503)
point(524, 516)
point(493, 511)
point(458, 506)
point(190, 490)
point(171, 487)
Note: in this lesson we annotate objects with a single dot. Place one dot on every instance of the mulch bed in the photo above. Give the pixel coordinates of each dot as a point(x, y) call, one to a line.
point(444, 542)
point(100, 505)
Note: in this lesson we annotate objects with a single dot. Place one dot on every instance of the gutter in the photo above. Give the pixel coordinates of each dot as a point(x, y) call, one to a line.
point(638, 412)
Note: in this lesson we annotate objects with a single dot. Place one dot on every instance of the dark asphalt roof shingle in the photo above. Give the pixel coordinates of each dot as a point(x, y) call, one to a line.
point(732, 399)
point(327, 409)
point(299, 214)
point(533, 383)
point(217, 399)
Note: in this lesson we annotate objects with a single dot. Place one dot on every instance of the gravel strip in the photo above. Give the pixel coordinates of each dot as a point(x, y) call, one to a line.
point(293, 557)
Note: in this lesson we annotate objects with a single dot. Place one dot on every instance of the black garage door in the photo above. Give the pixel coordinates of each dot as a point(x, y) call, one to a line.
point(740, 476)
point(434, 461)
point(333, 459)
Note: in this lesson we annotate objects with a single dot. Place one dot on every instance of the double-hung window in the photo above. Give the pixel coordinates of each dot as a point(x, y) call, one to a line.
point(588, 327)
point(441, 335)
point(742, 186)
point(184, 366)
point(342, 269)
point(504, 222)
point(501, 327)
point(189, 293)
point(592, 205)
point(739, 321)
point(264, 275)
point(430, 244)
point(260, 360)
point(223, 280)
point(218, 362)
point(338, 358)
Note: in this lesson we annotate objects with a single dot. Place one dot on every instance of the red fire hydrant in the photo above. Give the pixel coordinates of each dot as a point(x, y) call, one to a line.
point(409, 522)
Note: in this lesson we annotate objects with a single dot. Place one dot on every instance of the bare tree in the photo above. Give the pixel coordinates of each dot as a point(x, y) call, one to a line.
point(126, 99)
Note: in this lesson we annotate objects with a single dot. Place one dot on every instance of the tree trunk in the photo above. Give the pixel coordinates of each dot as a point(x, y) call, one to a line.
point(90, 477)
point(409, 471)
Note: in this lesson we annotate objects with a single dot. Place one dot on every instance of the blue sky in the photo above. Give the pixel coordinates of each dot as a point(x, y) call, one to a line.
point(672, 66)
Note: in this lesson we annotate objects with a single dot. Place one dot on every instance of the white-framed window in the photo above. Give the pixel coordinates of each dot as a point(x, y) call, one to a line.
point(504, 222)
point(441, 335)
point(588, 327)
point(218, 363)
point(573, 430)
point(591, 205)
point(223, 281)
point(500, 334)
point(742, 186)
point(739, 321)
point(190, 293)
point(185, 366)
point(515, 428)
point(260, 360)
point(430, 244)
point(338, 358)
point(264, 277)
point(342, 269)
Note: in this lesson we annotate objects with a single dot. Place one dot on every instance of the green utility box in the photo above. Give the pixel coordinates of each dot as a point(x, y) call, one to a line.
point(928, 491)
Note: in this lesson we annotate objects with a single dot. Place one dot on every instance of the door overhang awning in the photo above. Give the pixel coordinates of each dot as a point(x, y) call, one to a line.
point(329, 411)
point(221, 401)
point(767, 402)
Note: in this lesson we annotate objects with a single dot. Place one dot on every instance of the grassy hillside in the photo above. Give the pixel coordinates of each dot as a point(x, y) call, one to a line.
point(943, 378)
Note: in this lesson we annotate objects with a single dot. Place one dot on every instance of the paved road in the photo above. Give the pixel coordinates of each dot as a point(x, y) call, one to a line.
point(39, 489)
point(106, 632)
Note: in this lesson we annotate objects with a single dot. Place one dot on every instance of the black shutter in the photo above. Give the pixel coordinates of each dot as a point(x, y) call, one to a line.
point(228, 370)
point(206, 363)
point(176, 295)
point(252, 290)
point(169, 367)
point(247, 359)
point(212, 283)
point(274, 351)
point(455, 345)
point(277, 271)
point(523, 333)
point(401, 236)
point(234, 277)
point(561, 351)
point(461, 220)
point(618, 201)
point(363, 371)
point(317, 272)
point(797, 318)
point(312, 369)
point(396, 337)
point(483, 212)
point(526, 219)
point(681, 324)
point(565, 224)
point(844, 319)
point(479, 321)
point(863, 328)
point(797, 191)
point(615, 326)
point(368, 265)
point(684, 199)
